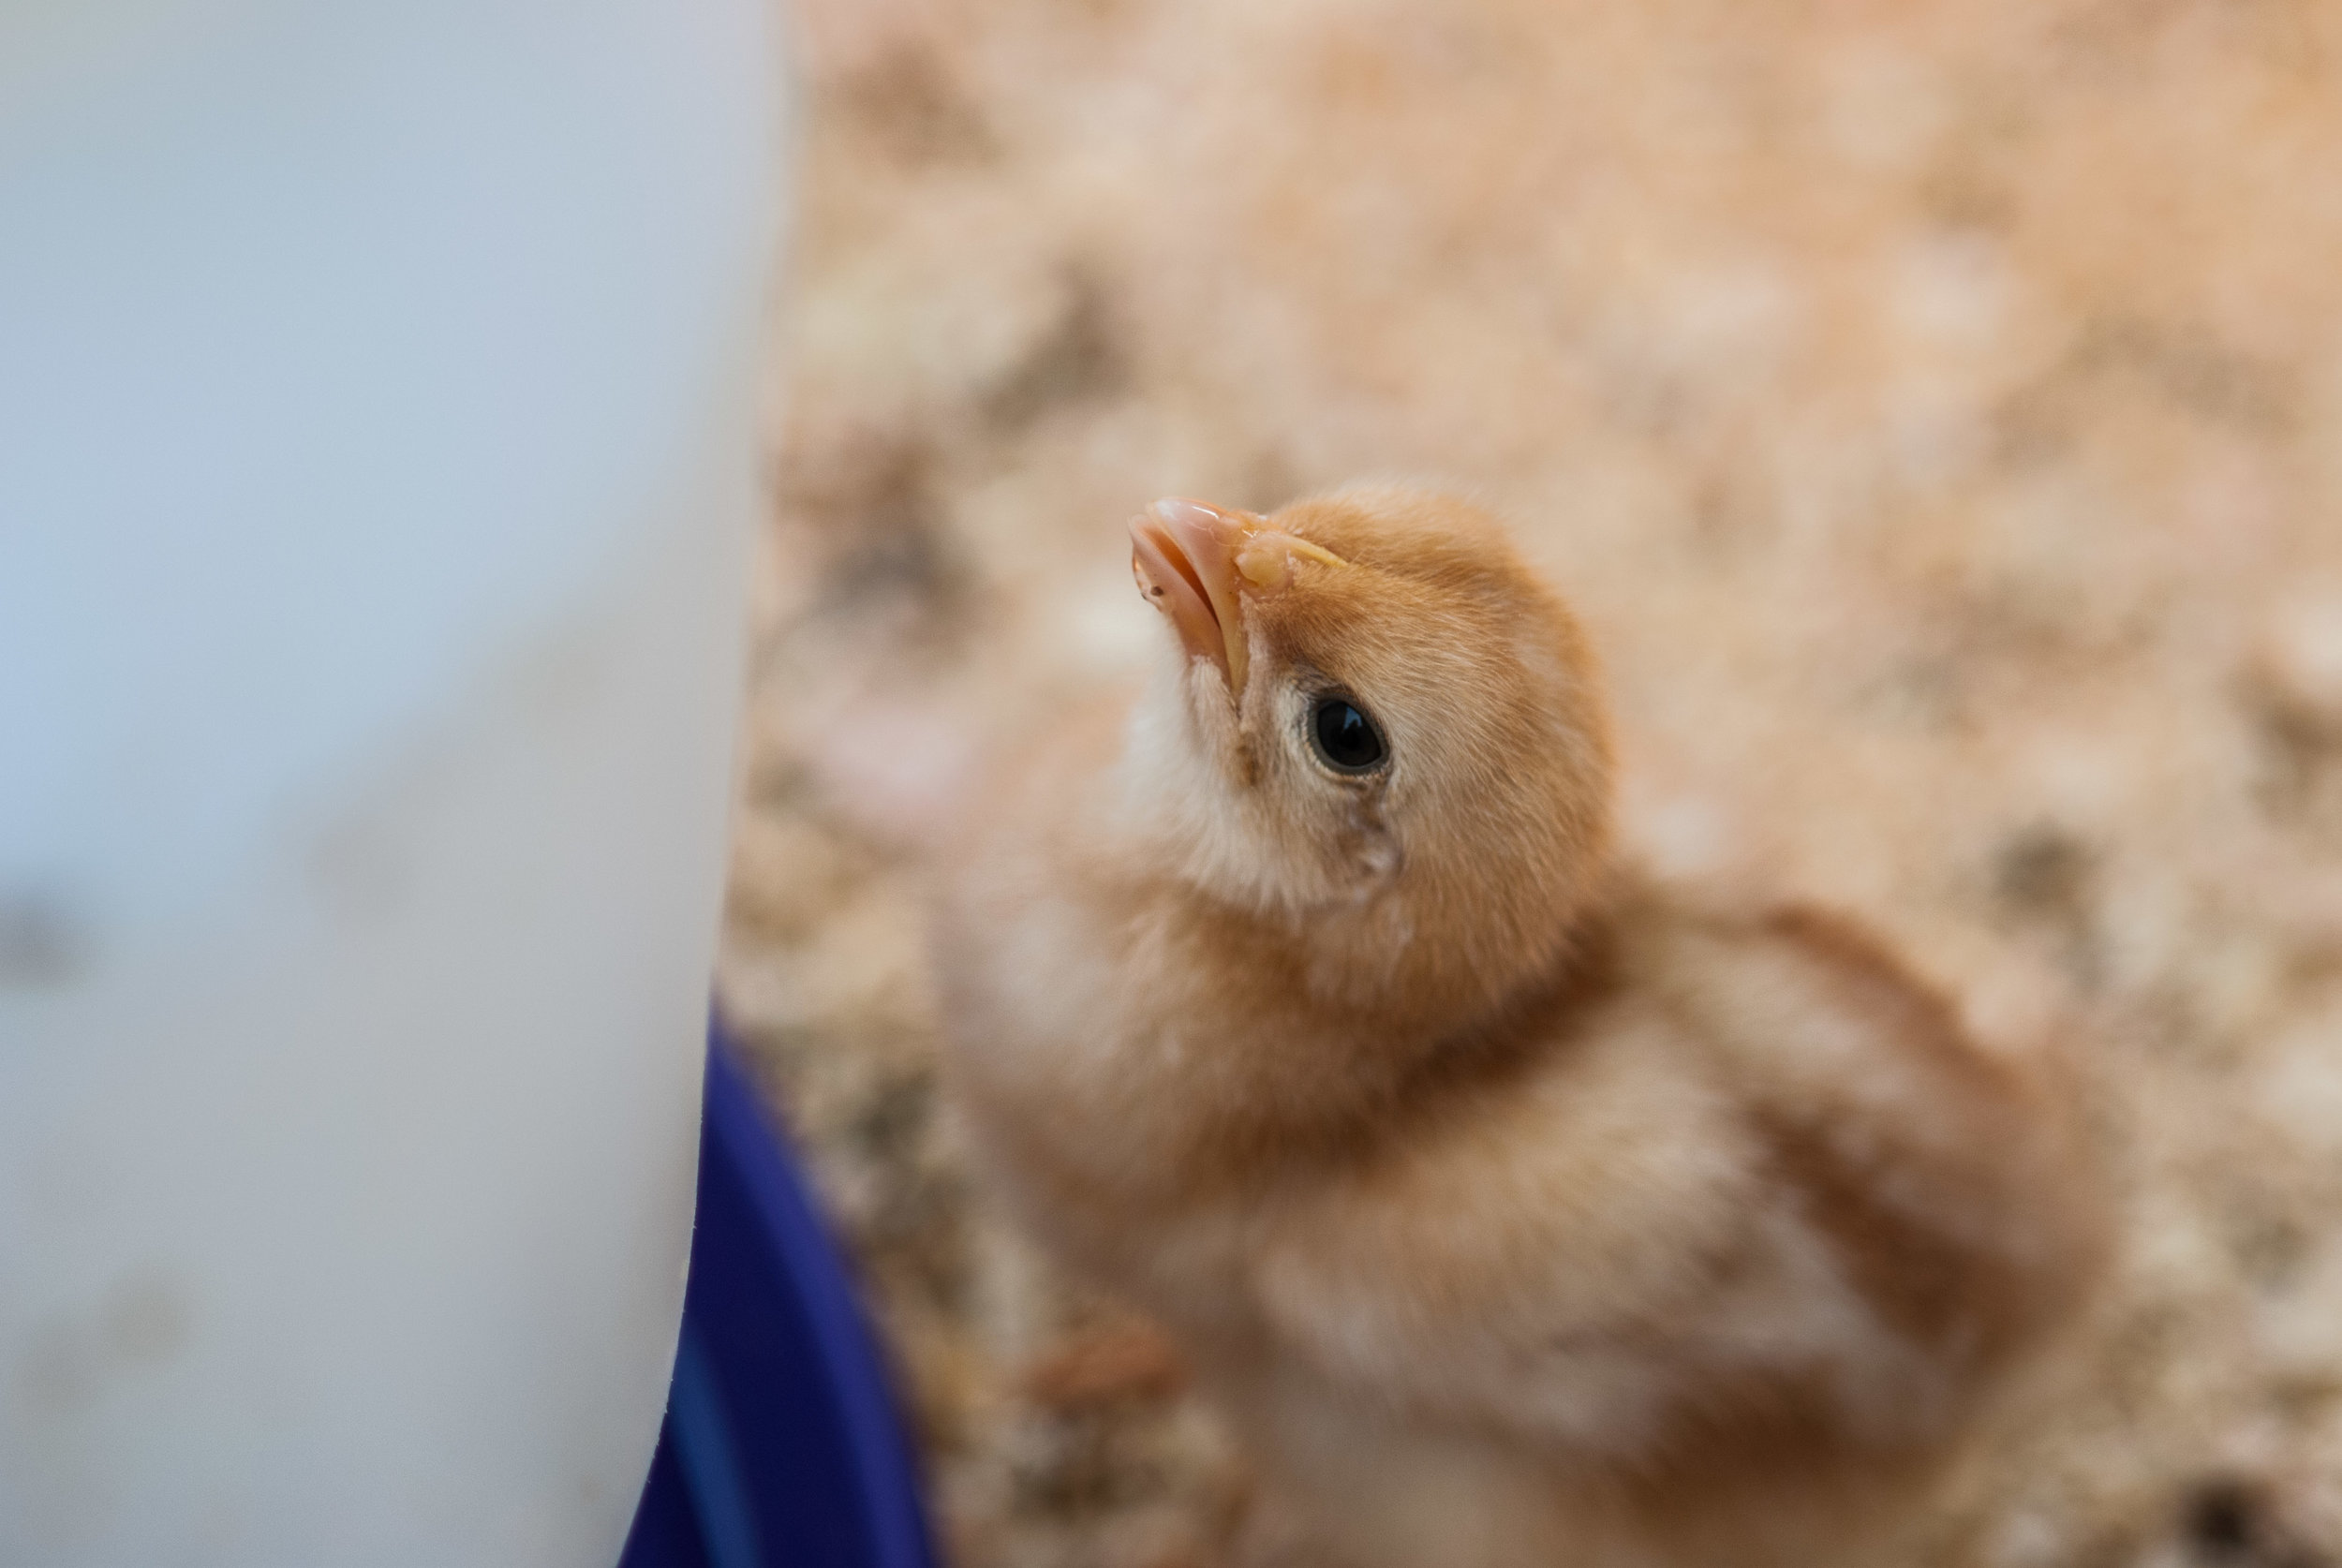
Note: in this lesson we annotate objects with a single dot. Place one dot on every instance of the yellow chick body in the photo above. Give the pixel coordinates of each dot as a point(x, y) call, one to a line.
point(1515, 1212)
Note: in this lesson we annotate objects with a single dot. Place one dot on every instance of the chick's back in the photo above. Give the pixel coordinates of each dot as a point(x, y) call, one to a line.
point(1727, 1260)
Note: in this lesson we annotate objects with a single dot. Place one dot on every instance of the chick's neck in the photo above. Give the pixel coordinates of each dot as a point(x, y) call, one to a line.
point(1320, 1029)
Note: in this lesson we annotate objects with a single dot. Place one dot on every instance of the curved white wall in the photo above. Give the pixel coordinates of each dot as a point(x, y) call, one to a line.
point(376, 462)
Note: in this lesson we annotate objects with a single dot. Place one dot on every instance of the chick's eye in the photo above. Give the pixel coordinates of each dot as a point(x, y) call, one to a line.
point(1347, 739)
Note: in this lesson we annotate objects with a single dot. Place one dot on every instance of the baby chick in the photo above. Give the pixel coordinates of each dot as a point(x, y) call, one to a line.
point(1515, 1212)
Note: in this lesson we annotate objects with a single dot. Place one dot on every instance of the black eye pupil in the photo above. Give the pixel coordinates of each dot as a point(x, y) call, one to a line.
point(1346, 737)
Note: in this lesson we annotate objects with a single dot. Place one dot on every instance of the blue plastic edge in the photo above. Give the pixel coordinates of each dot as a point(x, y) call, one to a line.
point(740, 1130)
point(783, 1446)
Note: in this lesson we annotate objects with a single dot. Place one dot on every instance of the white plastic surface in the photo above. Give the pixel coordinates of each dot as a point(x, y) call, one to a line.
point(376, 457)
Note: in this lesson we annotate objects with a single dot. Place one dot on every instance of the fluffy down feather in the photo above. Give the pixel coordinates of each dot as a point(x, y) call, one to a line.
point(1515, 1210)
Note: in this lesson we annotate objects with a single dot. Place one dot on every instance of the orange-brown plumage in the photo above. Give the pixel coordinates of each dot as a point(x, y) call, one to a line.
point(1517, 1211)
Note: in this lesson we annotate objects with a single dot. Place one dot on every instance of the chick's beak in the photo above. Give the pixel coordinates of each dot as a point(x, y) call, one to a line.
point(1185, 556)
point(1193, 561)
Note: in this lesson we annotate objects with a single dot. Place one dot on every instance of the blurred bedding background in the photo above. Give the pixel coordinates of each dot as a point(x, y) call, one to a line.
point(1936, 410)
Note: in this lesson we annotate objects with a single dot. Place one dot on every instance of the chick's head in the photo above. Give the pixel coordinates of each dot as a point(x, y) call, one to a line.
point(1375, 717)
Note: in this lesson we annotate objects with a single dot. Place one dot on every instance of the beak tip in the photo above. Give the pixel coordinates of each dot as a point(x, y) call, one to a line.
point(1184, 555)
point(1174, 511)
